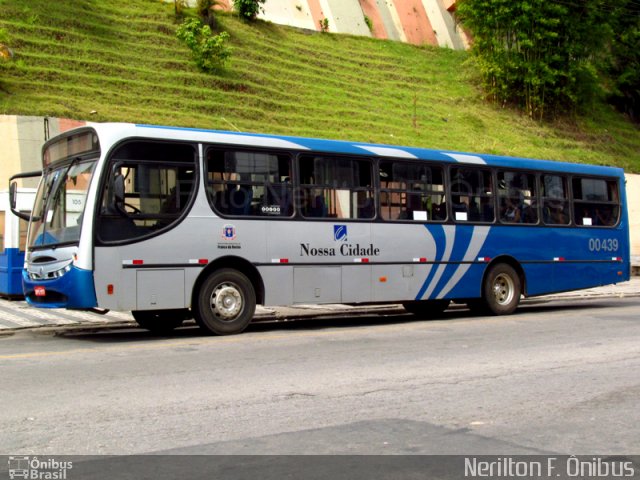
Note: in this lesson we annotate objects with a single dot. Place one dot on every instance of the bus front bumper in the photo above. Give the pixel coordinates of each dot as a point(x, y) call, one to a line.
point(74, 289)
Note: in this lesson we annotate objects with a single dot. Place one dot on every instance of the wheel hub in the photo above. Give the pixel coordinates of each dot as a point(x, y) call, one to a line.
point(226, 301)
point(503, 289)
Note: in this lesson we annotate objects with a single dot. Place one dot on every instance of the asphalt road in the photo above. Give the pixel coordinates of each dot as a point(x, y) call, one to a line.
point(557, 377)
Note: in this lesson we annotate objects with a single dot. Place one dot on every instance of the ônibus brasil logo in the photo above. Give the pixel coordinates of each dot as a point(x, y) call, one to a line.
point(34, 468)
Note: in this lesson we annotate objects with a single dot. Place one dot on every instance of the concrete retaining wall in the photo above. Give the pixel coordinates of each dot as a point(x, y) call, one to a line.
point(420, 22)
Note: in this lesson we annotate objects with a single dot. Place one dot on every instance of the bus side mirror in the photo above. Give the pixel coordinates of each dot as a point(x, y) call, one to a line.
point(13, 194)
point(13, 201)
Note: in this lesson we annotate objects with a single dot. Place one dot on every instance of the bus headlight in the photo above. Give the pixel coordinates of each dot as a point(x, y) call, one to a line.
point(61, 272)
point(50, 275)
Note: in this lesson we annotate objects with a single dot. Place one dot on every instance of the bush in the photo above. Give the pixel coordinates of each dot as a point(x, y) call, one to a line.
point(209, 51)
point(248, 9)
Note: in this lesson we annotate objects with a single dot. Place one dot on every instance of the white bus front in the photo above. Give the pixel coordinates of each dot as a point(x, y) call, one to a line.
point(53, 276)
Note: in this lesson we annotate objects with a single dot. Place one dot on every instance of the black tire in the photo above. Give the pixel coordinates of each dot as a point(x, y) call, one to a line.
point(160, 321)
point(427, 308)
point(500, 291)
point(225, 303)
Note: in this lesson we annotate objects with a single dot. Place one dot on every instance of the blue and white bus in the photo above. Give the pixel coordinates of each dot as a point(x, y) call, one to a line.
point(174, 223)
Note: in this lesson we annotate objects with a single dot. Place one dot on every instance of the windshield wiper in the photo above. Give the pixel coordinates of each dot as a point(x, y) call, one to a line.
point(45, 199)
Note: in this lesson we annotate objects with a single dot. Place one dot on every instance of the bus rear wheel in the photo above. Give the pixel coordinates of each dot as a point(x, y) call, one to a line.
point(160, 321)
point(226, 303)
point(501, 290)
point(426, 308)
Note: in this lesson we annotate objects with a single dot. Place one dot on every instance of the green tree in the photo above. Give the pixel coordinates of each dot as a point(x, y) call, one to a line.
point(536, 54)
point(624, 62)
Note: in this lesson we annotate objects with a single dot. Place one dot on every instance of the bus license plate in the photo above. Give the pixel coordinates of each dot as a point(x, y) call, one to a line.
point(40, 291)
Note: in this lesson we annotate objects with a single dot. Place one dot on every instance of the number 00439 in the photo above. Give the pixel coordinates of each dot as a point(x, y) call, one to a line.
point(603, 245)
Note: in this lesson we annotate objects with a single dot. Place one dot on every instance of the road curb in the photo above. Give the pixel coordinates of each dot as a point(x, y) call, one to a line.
point(314, 312)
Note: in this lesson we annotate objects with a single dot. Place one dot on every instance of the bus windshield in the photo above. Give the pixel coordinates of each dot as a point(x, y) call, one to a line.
point(59, 205)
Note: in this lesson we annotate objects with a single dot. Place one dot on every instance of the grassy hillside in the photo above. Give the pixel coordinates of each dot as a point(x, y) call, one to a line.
point(119, 60)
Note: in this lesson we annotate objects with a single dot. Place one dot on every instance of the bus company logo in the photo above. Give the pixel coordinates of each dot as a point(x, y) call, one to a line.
point(229, 232)
point(340, 233)
point(34, 468)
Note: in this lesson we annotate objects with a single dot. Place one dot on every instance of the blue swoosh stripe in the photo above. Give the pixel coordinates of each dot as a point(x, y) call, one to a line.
point(437, 232)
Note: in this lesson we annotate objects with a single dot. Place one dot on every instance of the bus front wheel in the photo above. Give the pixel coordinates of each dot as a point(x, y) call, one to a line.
point(501, 290)
point(226, 303)
point(160, 321)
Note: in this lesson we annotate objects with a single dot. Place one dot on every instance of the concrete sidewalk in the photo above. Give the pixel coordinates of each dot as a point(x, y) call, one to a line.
point(18, 315)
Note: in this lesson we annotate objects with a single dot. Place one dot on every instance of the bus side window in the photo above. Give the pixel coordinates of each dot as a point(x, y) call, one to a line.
point(555, 200)
point(517, 197)
point(149, 188)
point(595, 202)
point(471, 195)
point(249, 183)
point(336, 187)
point(411, 191)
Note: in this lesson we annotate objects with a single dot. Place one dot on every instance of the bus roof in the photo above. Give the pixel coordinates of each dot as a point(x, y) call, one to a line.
point(118, 131)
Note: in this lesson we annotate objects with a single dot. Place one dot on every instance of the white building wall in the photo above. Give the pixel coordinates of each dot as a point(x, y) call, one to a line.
point(346, 17)
point(442, 24)
point(633, 206)
point(294, 13)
